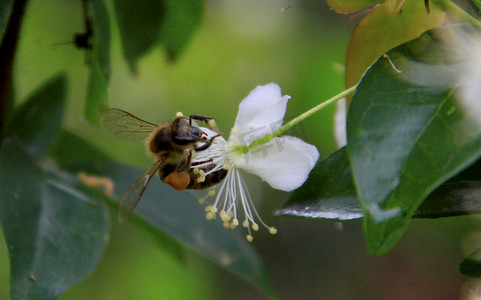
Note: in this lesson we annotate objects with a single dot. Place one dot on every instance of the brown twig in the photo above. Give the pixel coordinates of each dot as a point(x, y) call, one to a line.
point(7, 56)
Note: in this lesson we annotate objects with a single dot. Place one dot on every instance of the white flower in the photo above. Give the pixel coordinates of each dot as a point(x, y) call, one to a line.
point(283, 162)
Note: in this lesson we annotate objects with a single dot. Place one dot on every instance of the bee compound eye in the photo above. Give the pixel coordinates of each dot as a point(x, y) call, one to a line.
point(196, 132)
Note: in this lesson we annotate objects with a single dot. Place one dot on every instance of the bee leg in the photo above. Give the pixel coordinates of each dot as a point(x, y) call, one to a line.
point(200, 118)
point(201, 162)
point(178, 180)
point(185, 164)
point(207, 143)
point(210, 121)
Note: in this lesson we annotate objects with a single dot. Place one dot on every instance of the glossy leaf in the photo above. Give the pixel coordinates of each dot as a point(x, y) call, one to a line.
point(329, 194)
point(471, 265)
point(97, 98)
point(409, 132)
point(178, 214)
point(164, 211)
point(348, 6)
point(383, 28)
point(71, 148)
point(54, 229)
point(5, 11)
point(71, 152)
point(36, 123)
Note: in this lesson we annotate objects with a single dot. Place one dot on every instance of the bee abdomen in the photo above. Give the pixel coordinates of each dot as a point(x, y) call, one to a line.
point(207, 180)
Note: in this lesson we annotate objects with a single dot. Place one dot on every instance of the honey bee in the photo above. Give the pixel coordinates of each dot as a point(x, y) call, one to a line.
point(171, 144)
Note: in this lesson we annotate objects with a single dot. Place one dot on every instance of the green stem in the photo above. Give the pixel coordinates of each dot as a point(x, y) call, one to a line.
point(298, 119)
point(458, 13)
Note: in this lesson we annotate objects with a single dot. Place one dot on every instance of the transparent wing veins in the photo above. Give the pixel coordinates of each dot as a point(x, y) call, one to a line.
point(134, 193)
point(125, 125)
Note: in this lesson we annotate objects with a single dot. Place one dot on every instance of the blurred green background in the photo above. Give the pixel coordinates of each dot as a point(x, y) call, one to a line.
point(300, 45)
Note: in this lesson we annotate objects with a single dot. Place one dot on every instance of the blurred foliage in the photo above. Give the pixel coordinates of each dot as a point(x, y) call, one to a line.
point(211, 55)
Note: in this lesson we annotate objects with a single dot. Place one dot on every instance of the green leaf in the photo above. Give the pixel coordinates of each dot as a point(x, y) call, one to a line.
point(54, 229)
point(329, 194)
point(5, 11)
point(37, 122)
point(144, 25)
point(97, 97)
point(71, 148)
point(101, 36)
point(348, 6)
point(385, 27)
point(139, 25)
point(178, 214)
point(477, 3)
point(409, 132)
point(182, 19)
point(71, 152)
point(163, 210)
point(471, 265)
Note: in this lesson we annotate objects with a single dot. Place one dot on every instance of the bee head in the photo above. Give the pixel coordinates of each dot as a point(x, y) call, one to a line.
point(184, 132)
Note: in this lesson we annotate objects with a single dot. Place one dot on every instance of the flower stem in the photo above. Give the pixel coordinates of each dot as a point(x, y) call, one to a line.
point(458, 13)
point(299, 119)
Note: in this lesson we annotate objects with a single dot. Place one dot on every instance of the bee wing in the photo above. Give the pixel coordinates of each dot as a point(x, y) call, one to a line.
point(134, 193)
point(125, 125)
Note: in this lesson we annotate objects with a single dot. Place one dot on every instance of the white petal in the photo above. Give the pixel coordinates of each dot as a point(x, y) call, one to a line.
point(260, 113)
point(284, 162)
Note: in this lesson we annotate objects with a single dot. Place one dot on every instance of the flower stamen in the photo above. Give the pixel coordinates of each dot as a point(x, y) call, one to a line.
point(258, 122)
point(232, 191)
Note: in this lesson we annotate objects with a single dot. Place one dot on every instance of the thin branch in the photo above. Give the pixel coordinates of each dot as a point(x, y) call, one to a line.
point(7, 56)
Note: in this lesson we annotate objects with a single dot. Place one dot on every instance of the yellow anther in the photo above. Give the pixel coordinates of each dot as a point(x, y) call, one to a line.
point(209, 216)
point(201, 201)
point(245, 223)
point(195, 171)
point(255, 227)
point(249, 238)
point(225, 217)
point(226, 224)
point(211, 123)
point(201, 179)
point(233, 225)
point(211, 193)
point(235, 222)
point(202, 173)
point(208, 208)
point(272, 230)
point(213, 209)
point(179, 114)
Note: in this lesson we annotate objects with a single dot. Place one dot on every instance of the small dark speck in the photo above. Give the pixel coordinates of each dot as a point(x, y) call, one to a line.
point(32, 278)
